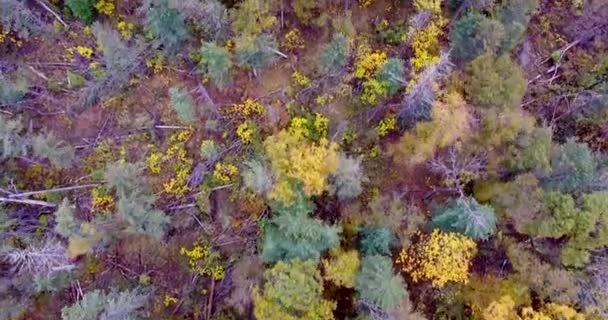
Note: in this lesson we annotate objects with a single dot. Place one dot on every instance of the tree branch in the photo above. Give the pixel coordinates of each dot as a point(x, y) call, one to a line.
point(30, 202)
point(32, 193)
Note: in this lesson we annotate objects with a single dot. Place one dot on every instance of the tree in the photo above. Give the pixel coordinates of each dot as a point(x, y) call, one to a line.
point(135, 204)
point(293, 290)
point(520, 200)
point(38, 259)
point(346, 181)
point(295, 159)
point(82, 9)
point(166, 24)
point(495, 82)
point(573, 167)
point(253, 17)
point(439, 257)
point(216, 64)
point(335, 54)
point(342, 268)
point(450, 122)
point(107, 306)
point(531, 152)
point(292, 233)
point(456, 169)
point(501, 126)
point(183, 104)
point(378, 285)
point(375, 240)
point(466, 216)
point(474, 34)
point(256, 52)
point(418, 101)
point(210, 16)
point(515, 16)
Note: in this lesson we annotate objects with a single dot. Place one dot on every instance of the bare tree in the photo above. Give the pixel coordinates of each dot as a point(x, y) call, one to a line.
point(457, 170)
point(43, 259)
point(422, 93)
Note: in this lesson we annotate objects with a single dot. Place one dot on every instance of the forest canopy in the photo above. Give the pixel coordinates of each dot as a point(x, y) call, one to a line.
point(299, 159)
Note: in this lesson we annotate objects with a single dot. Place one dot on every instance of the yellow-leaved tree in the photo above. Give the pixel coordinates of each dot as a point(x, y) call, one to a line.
point(505, 309)
point(439, 257)
point(295, 158)
point(450, 122)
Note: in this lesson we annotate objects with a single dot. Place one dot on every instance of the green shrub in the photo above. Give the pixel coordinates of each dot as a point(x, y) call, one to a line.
point(335, 54)
point(210, 16)
point(183, 104)
point(392, 76)
point(113, 305)
point(216, 64)
point(166, 24)
point(256, 52)
point(58, 152)
point(135, 202)
point(11, 143)
point(12, 90)
point(82, 9)
point(17, 17)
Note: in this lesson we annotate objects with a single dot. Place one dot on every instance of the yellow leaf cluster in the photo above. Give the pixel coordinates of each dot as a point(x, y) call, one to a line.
point(425, 46)
point(365, 3)
point(245, 131)
point(105, 7)
point(372, 90)
point(295, 157)
point(387, 125)
point(85, 52)
point(293, 40)
point(125, 29)
point(175, 160)
point(248, 108)
point(300, 79)
point(169, 300)
point(224, 173)
point(434, 6)
point(368, 63)
point(102, 202)
point(439, 258)
point(450, 122)
point(203, 261)
point(156, 63)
